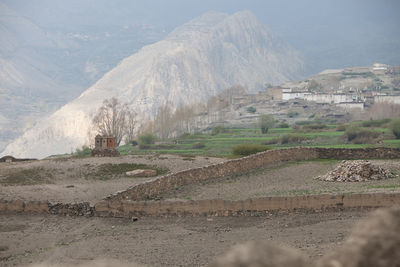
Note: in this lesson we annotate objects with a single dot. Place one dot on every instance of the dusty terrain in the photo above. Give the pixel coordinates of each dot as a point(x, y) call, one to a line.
point(71, 180)
point(295, 178)
point(171, 241)
point(175, 241)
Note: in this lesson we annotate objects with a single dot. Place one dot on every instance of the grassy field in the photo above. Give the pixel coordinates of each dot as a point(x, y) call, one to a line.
point(221, 144)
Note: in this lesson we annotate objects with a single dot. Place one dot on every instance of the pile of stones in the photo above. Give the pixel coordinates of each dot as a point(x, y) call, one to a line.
point(356, 171)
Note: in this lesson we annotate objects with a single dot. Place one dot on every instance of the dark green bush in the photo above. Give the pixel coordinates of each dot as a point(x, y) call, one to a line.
point(198, 145)
point(251, 109)
point(218, 129)
point(375, 123)
point(292, 114)
point(147, 139)
point(394, 126)
point(283, 125)
point(248, 149)
point(134, 143)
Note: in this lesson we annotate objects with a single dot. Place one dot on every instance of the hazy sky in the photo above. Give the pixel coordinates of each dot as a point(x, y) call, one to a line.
point(337, 32)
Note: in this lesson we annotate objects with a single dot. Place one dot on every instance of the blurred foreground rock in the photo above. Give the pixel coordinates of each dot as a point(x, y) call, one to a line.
point(375, 241)
point(259, 254)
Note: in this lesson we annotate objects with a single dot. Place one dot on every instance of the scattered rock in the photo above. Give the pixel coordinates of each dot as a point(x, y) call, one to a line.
point(261, 253)
point(142, 173)
point(356, 171)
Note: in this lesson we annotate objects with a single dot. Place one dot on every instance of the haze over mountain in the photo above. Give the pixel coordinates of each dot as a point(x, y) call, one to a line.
point(194, 62)
point(41, 69)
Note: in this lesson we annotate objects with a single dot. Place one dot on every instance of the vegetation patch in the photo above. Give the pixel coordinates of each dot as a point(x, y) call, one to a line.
point(248, 149)
point(32, 176)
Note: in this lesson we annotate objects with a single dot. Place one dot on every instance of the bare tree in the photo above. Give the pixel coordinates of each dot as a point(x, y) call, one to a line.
point(130, 128)
point(112, 119)
point(163, 124)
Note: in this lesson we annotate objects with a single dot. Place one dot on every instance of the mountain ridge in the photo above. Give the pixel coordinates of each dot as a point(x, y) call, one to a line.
point(193, 63)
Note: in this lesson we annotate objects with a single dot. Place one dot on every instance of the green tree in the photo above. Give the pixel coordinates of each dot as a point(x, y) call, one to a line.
point(266, 122)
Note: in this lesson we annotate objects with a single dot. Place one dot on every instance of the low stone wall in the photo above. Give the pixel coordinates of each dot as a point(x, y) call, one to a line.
point(214, 207)
point(155, 188)
point(249, 207)
point(40, 207)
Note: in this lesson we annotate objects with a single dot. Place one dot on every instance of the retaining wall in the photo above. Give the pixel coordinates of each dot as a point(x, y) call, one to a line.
point(40, 207)
point(155, 188)
point(215, 207)
point(249, 207)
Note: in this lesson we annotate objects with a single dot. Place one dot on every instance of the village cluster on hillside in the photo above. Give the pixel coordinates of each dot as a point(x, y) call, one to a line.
point(351, 88)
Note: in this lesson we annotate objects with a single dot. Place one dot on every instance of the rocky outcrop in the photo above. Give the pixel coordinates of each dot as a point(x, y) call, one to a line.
point(193, 63)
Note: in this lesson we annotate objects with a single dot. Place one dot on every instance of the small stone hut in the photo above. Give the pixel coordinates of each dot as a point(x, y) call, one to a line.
point(104, 146)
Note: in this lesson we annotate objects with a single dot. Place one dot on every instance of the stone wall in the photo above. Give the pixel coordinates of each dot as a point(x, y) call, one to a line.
point(155, 188)
point(40, 207)
point(249, 207)
point(214, 207)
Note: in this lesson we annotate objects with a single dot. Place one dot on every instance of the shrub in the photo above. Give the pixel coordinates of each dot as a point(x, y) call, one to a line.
point(366, 137)
point(248, 149)
point(314, 127)
point(272, 141)
point(292, 114)
point(134, 143)
point(146, 139)
point(341, 127)
point(266, 122)
point(144, 146)
point(217, 130)
point(360, 136)
point(283, 125)
point(292, 139)
point(351, 132)
point(83, 152)
point(304, 122)
point(375, 123)
point(198, 145)
point(251, 109)
point(394, 126)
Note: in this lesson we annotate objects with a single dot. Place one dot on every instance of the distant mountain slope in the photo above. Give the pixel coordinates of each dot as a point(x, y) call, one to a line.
point(194, 62)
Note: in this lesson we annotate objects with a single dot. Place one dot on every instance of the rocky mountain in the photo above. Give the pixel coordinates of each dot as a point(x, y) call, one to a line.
point(193, 63)
point(42, 69)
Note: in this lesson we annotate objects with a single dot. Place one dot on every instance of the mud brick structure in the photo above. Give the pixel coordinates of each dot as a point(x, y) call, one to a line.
point(105, 147)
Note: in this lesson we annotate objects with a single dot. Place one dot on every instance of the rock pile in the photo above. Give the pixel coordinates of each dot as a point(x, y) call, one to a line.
point(356, 171)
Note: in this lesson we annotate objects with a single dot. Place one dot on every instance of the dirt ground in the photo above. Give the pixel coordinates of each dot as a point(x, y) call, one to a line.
point(296, 178)
point(190, 241)
point(68, 180)
point(174, 241)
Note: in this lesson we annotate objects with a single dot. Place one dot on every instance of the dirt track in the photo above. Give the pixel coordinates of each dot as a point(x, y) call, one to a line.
point(162, 241)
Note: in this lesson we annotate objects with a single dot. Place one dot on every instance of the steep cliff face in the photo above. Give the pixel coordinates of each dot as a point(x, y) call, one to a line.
point(194, 62)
